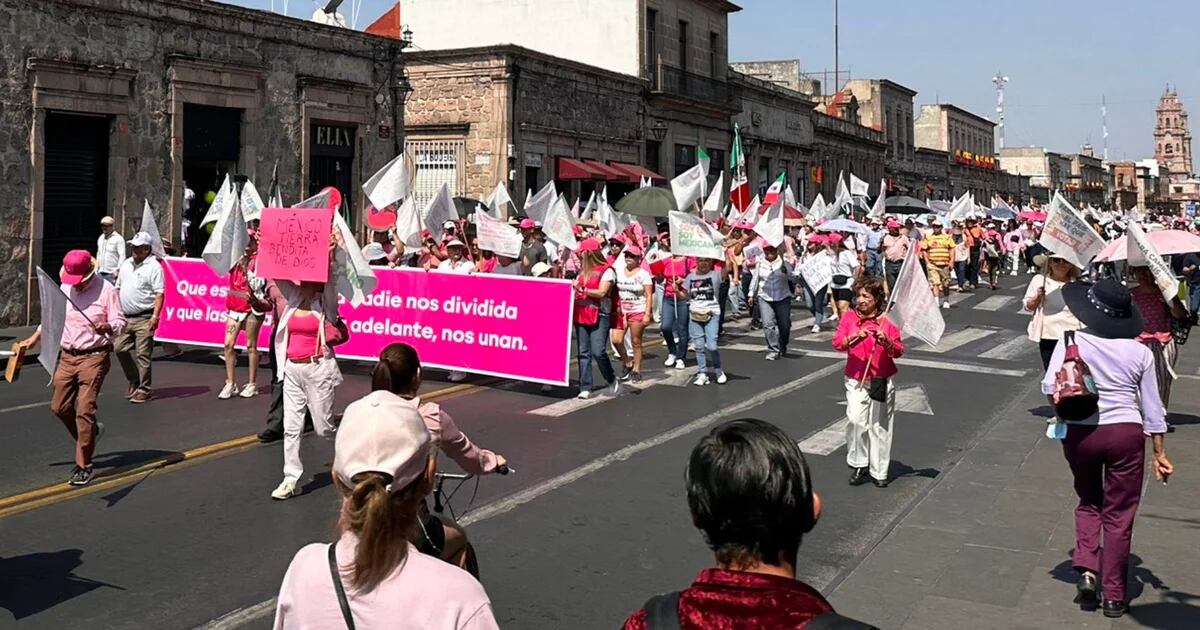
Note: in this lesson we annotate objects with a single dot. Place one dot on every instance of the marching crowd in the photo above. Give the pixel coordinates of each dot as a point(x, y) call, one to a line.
point(748, 486)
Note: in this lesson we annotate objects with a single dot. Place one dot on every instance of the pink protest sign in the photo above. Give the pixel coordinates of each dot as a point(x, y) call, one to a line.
point(293, 243)
point(504, 326)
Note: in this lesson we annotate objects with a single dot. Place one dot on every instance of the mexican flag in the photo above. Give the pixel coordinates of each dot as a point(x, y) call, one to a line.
point(739, 184)
point(774, 191)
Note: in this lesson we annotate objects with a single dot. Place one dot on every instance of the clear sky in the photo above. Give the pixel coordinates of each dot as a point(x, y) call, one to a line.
point(1060, 56)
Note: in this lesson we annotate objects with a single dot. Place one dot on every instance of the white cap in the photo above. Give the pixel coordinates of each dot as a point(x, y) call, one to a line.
point(141, 239)
point(381, 432)
point(373, 251)
point(107, 221)
point(539, 269)
point(446, 225)
point(455, 243)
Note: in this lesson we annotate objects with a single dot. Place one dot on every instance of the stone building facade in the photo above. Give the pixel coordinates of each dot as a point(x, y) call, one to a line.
point(844, 146)
point(970, 141)
point(777, 134)
point(105, 103)
point(1047, 171)
point(1085, 184)
point(509, 114)
point(1172, 137)
point(888, 107)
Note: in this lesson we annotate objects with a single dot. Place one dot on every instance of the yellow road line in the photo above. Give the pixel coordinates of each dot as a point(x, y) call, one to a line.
point(60, 492)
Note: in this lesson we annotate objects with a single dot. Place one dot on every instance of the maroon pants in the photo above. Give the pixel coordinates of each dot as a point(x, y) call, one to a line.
point(1107, 463)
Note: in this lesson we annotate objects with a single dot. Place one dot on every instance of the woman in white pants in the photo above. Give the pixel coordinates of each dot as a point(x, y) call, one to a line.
point(872, 344)
point(308, 329)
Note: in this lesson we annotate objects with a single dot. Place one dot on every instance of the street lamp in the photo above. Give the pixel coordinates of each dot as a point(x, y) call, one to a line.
point(659, 130)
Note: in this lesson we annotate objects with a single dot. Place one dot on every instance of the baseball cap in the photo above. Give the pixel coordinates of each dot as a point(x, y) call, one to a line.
point(835, 238)
point(447, 225)
point(107, 221)
point(78, 265)
point(589, 245)
point(527, 224)
point(633, 250)
point(893, 224)
point(141, 239)
point(384, 433)
point(539, 269)
point(455, 243)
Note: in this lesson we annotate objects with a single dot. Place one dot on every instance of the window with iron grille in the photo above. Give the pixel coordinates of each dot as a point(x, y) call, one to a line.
point(437, 162)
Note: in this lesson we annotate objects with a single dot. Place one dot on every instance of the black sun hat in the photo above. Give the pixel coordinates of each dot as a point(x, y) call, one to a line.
point(1106, 308)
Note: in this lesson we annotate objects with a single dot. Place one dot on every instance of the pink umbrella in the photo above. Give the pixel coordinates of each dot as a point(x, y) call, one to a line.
point(1031, 215)
point(1165, 241)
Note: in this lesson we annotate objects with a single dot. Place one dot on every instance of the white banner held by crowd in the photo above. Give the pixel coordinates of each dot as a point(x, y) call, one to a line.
point(1141, 253)
point(914, 309)
point(692, 236)
point(1068, 235)
point(497, 236)
point(817, 272)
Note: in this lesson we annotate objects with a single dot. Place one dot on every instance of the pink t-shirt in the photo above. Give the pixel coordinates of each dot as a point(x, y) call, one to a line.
point(302, 336)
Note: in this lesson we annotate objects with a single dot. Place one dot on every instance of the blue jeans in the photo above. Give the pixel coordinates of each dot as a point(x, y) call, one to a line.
point(816, 303)
point(777, 323)
point(705, 336)
point(873, 260)
point(675, 325)
point(591, 342)
point(1194, 298)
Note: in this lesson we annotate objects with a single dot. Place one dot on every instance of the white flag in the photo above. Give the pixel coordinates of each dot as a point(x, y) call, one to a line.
point(858, 187)
point(497, 236)
point(842, 200)
point(712, 206)
point(496, 201)
point(1066, 234)
point(252, 203)
point(439, 210)
point(538, 205)
point(228, 241)
point(692, 236)
point(688, 187)
point(750, 214)
point(914, 308)
point(54, 317)
point(224, 199)
point(589, 209)
point(1141, 253)
point(770, 225)
point(880, 206)
point(150, 226)
point(558, 225)
point(391, 183)
point(818, 209)
point(644, 183)
point(408, 224)
point(349, 267)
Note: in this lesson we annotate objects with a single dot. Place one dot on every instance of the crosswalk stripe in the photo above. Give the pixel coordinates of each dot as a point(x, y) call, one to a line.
point(1010, 349)
point(956, 339)
point(995, 303)
point(827, 440)
point(955, 298)
point(673, 378)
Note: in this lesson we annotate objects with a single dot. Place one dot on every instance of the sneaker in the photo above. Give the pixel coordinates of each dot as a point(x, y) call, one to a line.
point(679, 364)
point(584, 394)
point(816, 328)
point(82, 476)
point(670, 360)
point(140, 397)
point(636, 377)
point(721, 378)
point(131, 391)
point(771, 356)
point(227, 391)
point(701, 380)
point(833, 317)
point(626, 371)
point(946, 304)
point(457, 377)
point(249, 391)
point(616, 388)
point(286, 490)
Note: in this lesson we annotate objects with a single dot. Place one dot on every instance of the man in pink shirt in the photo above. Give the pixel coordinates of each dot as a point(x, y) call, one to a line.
point(93, 317)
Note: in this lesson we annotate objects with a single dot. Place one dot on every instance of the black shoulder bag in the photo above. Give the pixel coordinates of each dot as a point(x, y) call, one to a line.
point(337, 586)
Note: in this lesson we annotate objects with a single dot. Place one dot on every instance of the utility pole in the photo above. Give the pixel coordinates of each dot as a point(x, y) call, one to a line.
point(1104, 124)
point(837, 75)
point(1000, 80)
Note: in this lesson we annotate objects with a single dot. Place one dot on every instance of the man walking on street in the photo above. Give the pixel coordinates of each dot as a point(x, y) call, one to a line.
point(938, 252)
point(93, 315)
point(110, 249)
point(140, 287)
point(895, 249)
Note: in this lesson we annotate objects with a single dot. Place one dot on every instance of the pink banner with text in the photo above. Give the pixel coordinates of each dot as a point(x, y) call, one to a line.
point(503, 326)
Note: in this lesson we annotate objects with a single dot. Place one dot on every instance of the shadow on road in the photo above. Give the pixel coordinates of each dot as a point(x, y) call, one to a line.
point(900, 469)
point(1182, 610)
point(35, 582)
point(110, 462)
point(1182, 419)
point(181, 392)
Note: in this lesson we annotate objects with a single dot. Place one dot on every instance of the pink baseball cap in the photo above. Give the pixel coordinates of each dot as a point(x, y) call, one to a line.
point(817, 238)
point(78, 265)
point(892, 223)
point(834, 238)
point(527, 224)
point(662, 235)
point(384, 433)
point(589, 245)
point(633, 250)
point(744, 225)
point(578, 230)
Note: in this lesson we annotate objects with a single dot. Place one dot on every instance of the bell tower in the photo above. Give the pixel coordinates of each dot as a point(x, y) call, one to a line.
point(1172, 139)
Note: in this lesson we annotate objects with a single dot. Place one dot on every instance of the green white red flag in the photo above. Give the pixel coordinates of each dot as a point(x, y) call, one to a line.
point(739, 184)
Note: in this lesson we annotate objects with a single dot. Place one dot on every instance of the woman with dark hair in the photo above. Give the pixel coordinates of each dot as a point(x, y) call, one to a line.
point(1106, 450)
point(593, 310)
point(1051, 317)
point(373, 577)
point(872, 344)
point(399, 372)
point(846, 269)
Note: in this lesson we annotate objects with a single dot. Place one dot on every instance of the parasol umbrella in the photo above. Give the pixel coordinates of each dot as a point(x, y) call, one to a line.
point(648, 202)
point(1165, 241)
point(1031, 215)
point(843, 225)
point(466, 206)
point(1001, 212)
point(793, 216)
point(940, 207)
point(903, 204)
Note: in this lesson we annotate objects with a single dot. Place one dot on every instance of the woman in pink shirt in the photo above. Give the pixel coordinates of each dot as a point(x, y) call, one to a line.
point(1157, 314)
point(872, 344)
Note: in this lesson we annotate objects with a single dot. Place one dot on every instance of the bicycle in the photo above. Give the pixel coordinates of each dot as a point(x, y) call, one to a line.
point(454, 547)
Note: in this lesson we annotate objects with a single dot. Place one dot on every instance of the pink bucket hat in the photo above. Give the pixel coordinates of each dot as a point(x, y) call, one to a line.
point(78, 265)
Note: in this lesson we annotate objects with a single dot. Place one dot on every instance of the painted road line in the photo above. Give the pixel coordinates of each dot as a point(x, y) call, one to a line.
point(1010, 349)
point(250, 614)
point(29, 406)
point(960, 338)
point(954, 366)
point(909, 399)
point(672, 377)
point(956, 297)
point(56, 493)
point(995, 303)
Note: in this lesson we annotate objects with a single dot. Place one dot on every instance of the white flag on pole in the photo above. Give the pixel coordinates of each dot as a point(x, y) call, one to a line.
point(1142, 253)
point(770, 225)
point(880, 206)
point(537, 206)
point(645, 183)
point(252, 203)
point(818, 209)
point(692, 236)
point(497, 236)
point(496, 201)
point(150, 227)
point(914, 308)
point(54, 317)
point(858, 187)
point(961, 208)
point(558, 226)
point(408, 224)
point(589, 209)
point(439, 210)
point(228, 241)
point(712, 206)
point(349, 268)
point(224, 199)
point(1068, 235)
point(688, 187)
point(391, 183)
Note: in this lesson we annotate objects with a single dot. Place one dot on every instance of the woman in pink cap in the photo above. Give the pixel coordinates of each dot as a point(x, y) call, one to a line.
point(993, 254)
point(635, 295)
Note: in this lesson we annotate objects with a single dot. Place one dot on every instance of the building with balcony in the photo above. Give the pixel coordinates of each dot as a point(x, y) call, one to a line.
point(1047, 171)
point(1085, 184)
point(968, 138)
point(843, 145)
point(888, 107)
point(776, 124)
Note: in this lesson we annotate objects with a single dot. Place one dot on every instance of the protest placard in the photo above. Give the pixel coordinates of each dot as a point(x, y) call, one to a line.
point(293, 244)
point(817, 272)
point(506, 326)
point(1142, 253)
point(497, 236)
point(692, 236)
point(1068, 235)
point(914, 308)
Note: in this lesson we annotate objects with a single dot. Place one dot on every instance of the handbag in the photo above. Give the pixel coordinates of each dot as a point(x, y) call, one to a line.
point(699, 317)
point(877, 389)
point(339, 588)
point(1075, 395)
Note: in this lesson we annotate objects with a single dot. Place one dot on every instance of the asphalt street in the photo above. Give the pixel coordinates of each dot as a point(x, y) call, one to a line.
point(593, 522)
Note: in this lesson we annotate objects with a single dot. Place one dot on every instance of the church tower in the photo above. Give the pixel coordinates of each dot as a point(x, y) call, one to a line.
point(1172, 139)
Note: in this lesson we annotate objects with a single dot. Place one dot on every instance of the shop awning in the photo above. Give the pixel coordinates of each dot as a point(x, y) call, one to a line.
point(636, 173)
point(570, 168)
point(610, 173)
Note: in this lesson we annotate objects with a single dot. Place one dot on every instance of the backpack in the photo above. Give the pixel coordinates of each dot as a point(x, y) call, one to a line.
point(662, 613)
point(1075, 395)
